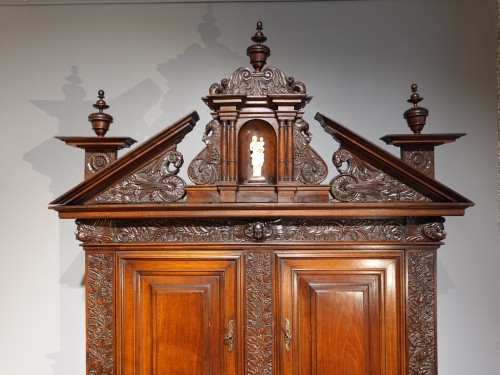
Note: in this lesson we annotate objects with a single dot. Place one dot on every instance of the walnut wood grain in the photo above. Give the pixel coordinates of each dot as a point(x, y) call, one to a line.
point(273, 276)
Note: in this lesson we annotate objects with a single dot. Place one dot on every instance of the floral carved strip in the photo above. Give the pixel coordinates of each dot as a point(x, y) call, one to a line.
point(100, 335)
point(361, 182)
point(421, 313)
point(157, 182)
point(255, 231)
point(259, 313)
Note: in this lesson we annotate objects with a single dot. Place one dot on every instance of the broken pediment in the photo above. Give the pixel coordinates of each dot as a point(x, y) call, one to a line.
point(257, 152)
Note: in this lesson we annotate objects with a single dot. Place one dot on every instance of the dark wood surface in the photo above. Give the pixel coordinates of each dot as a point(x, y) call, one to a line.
point(281, 274)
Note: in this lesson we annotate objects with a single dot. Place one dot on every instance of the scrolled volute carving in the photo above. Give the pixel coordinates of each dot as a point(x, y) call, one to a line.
point(296, 86)
point(309, 167)
point(270, 80)
point(218, 89)
point(205, 167)
point(360, 181)
point(157, 182)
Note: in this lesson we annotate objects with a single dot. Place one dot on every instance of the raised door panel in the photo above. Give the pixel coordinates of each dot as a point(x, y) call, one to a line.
point(343, 314)
point(176, 313)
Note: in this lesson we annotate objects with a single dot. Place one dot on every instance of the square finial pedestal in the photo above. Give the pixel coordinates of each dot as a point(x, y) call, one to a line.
point(417, 150)
point(99, 151)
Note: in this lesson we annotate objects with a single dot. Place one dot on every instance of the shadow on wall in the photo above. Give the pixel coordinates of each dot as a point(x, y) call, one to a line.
point(189, 77)
point(202, 66)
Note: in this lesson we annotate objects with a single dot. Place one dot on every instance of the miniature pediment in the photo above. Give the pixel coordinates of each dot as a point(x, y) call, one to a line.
point(369, 173)
point(257, 151)
point(146, 174)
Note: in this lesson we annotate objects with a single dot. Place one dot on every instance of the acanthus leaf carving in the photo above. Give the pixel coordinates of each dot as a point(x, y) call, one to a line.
point(421, 313)
point(269, 81)
point(259, 319)
point(100, 333)
point(345, 230)
point(309, 167)
point(205, 168)
point(157, 182)
point(238, 231)
point(361, 182)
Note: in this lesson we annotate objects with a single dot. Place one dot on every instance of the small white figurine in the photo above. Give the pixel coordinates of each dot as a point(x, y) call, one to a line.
point(257, 154)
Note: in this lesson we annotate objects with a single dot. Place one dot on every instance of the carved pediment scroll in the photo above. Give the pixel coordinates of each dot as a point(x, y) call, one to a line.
point(269, 81)
point(360, 181)
point(155, 183)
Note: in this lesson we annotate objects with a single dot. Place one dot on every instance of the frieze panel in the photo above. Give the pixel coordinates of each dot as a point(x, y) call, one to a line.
point(289, 230)
point(361, 182)
point(421, 312)
point(157, 182)
point(259, 321)
point(100, 334)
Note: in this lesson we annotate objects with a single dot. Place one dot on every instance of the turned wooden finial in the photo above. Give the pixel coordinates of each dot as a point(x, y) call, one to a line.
point(100, 121)
point(415, 116)
point(258, 52)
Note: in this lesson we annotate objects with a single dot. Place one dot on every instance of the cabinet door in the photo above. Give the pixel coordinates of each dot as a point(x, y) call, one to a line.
point(178, 314)
point(341, 314)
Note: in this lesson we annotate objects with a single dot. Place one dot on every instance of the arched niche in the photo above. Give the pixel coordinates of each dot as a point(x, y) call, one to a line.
point(261, 130)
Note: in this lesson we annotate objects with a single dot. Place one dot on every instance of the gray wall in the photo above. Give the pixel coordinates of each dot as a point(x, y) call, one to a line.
point(357, 58)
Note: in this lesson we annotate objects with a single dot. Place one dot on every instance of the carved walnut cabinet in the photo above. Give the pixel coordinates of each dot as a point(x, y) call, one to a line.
point(258, 267)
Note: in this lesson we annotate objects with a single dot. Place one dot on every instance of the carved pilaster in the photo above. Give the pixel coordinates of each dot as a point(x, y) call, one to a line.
point(281, 151)
point(224, 151)
point(259, 326)
point(100, 324)
point(232, 150)
point(289, 150)
point(421, 312)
